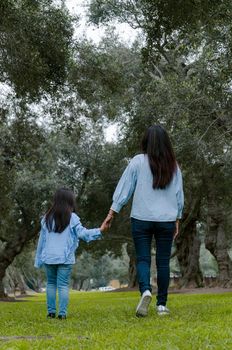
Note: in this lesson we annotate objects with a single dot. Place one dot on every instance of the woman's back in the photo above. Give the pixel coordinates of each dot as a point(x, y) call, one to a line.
point(155, 181)
point(154, 204)
point(148, 203)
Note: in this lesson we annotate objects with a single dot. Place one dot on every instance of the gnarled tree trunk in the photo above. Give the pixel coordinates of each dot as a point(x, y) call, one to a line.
point(75, 284)
point(21, 284)
point(2, 290)
point(188, 247)
point(133, 282)
point(11, 250)
point(188, 253)
point(216, 240)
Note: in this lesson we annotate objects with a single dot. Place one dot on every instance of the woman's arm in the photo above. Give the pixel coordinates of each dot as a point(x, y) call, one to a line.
point(125, 187)
point(123, 192)
point(180, 200)
point(179, 194)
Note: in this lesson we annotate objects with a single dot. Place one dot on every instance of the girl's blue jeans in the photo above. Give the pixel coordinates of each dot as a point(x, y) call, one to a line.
point(143, 232)
point(58, 278)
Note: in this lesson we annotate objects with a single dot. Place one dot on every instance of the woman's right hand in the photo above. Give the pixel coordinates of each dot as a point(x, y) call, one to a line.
point(107, 222)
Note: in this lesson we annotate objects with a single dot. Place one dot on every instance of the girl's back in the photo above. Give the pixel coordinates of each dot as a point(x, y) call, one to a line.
point(59, 247)
point(60, 233)
point(56, 244)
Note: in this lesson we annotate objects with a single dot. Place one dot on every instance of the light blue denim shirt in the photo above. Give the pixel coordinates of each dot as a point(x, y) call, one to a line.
point(148, 204)
point(59, 248)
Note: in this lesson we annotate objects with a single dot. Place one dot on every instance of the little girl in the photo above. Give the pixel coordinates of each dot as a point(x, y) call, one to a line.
point(60, 233)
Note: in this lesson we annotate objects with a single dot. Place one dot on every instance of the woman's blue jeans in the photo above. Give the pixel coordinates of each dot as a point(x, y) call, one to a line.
point(58, 278)
point(143, 232)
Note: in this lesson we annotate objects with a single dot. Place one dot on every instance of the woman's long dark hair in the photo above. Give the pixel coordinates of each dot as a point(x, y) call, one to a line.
point(157, 145)
point(58, 216)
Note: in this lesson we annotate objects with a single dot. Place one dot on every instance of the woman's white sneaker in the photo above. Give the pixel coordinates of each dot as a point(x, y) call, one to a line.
point(142, 308)
point(162, 310)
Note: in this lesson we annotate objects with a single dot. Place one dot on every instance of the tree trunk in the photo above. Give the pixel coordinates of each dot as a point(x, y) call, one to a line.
point(188, 245)
point(34, 283)
point(14, 247)
point(87, 285)
point(2, 290)
point(132, 273)
point(133, 282)
point(22, 284)
point(3, 267)
point(81, 282)
point(6, 258)
point(75, 284)
point(188, 253)
point(216, 240)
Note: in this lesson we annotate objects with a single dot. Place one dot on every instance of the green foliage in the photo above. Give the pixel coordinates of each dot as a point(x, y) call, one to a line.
point(26, 182)
point(179, 76)
point(107, 321)
point(36, 40)
point(185, 85)
point(176, 24)
point(98, 272)
point(101, 74)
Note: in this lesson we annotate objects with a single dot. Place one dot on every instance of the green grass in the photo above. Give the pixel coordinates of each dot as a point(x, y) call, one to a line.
point(107, 321)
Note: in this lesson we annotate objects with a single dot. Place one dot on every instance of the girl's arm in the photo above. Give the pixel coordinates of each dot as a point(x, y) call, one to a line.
point(85, 234)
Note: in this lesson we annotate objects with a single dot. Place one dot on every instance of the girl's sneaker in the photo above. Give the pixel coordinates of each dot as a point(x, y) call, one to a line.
point(142, 308)
point(162, 310)
point(62, 317)
point(51, 315)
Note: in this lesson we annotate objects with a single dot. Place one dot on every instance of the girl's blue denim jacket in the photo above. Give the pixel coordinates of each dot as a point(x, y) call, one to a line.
point(59, 248)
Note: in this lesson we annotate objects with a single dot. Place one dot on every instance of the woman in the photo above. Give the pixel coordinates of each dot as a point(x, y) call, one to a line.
point(156, 182)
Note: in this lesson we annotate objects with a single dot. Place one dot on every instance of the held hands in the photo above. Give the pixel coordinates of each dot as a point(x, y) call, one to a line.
point(107, 222)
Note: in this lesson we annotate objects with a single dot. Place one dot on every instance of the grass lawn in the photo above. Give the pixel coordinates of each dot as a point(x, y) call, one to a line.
point(107, 321)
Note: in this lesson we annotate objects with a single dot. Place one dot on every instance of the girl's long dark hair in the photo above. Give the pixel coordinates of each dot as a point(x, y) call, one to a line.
point(157, 145)
point(58, 216)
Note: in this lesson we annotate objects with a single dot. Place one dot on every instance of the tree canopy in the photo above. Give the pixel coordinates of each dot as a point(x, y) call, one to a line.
point(35, 45)
point(176, 73)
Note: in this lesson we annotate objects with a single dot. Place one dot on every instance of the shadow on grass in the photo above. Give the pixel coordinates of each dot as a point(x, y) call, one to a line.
point(17, 299)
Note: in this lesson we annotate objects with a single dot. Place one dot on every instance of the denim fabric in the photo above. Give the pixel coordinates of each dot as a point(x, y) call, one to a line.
point(59, 248)
point(148, 204)
point(58, 278)
point(143, 232)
